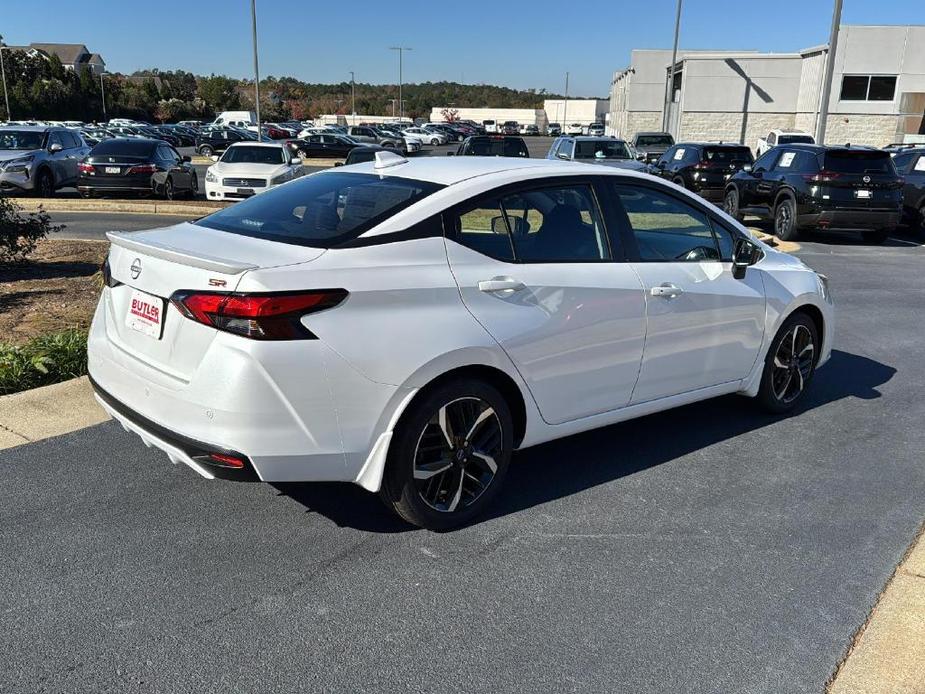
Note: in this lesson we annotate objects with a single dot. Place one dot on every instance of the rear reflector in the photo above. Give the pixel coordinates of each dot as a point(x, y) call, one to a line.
point(274, 316)
point(225, 460)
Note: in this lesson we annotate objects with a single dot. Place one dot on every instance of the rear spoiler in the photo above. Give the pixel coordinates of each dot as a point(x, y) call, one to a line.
point(176, 255)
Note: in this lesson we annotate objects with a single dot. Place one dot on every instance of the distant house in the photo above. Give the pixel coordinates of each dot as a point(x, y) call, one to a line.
point(74, 56)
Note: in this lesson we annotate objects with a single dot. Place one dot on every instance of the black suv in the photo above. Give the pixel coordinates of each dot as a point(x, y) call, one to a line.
point(492, 146)
point(215, 140)
point(910, 164)
point(703, 167)
point(803, 186)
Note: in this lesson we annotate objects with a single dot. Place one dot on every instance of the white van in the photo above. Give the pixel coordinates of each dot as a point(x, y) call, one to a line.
point(235, 118)
point(490, 126)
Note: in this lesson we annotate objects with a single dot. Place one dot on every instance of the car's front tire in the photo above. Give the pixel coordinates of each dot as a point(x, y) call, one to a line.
point(45, 184)
point(789, 365)
point(449, 455)
point(206, 151)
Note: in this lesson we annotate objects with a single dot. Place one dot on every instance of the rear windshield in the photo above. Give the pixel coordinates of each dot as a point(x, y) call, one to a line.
point(795, 139)
point(654, 141)
point(727, 154)
point(601, 149)
point(320, 211)
point(858, 162)
point(253, 155)
point(486, 147)
point(130, 148)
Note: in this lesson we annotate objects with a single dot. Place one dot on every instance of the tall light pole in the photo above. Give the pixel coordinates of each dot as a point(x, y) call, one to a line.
point(565, 108)
point(256, 66)
point(353, 97)
point(6, 96)
point(669, 92)
point(103, 95)
point(829, 70)
point(401, 104)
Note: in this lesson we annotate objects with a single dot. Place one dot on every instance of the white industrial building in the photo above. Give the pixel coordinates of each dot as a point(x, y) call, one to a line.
point(877, 96)
point(562, 111)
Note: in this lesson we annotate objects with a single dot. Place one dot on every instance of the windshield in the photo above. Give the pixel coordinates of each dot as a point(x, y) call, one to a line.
point(253, 155)
point(795, 139)
point(21, 139)
point(654, 141)
point(727, 155)
point(858, 162)
point(320, 211)
point(601, 149)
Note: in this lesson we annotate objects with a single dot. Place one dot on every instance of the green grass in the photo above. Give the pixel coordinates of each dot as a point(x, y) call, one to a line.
point(43, 360)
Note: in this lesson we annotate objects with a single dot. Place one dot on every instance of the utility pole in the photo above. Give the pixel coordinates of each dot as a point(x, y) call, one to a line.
point(6, 96)
point(103, 96)
point(353, 97)
point(669, 96)
point(401, 104)
point(565, 108)
point(829, 71)
point(256, 67)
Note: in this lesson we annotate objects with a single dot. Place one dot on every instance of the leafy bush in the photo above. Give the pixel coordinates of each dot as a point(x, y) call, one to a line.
point(20, 233)
point(43, 360)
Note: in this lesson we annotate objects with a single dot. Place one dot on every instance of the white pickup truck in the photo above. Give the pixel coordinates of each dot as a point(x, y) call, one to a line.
point(782, 137)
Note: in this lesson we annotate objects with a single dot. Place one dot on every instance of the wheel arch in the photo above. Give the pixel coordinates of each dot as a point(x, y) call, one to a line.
point(815, 315)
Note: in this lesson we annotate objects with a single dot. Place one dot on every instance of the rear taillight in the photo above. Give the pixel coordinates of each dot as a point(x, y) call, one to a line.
point(85, 168)
point(257, 316)
point(142, 169)
point(107, 275)
point(823, 176)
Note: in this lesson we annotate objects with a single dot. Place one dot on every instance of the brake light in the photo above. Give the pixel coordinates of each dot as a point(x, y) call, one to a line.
point(257, 316)
point(143, 169)
point(85, 168)
point(823, 176)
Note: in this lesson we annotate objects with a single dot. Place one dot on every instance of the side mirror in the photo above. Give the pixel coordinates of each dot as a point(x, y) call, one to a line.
point(562, 155)
point(744, 254)
point(296, 161)
point(337, 163)
point(757, 173)
point(214, 157)
point(187, 158)
point(55, 148)
point(640, 156)
point(498, 225)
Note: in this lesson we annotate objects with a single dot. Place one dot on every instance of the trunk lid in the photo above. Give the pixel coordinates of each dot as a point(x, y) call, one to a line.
point(159, 262)
point(860, 179)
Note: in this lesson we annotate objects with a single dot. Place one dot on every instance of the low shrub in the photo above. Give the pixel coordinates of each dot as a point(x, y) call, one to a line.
point(44, 360)
point(19, 233)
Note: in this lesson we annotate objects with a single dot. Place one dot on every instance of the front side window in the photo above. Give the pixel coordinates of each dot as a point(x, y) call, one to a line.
point(766, 160)
point(666, 229)
point(868, 87)
point(321, 211)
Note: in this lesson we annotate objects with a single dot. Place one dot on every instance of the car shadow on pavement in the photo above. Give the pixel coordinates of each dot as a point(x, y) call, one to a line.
point(570, 465)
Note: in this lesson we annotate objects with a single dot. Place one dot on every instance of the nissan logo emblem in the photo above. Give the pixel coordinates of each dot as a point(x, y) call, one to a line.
point(136, 268)
point(866, 179)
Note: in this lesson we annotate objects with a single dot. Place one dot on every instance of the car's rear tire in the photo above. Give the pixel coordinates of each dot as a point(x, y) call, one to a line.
point(434, 142)
point(449, 455)
point(789, 365)
point(731, 204)
point(876, 236)
point(206, 151)
point(785, 219)
point(45, 184)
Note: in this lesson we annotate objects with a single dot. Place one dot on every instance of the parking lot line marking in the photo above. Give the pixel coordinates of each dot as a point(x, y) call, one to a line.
point(908, 243)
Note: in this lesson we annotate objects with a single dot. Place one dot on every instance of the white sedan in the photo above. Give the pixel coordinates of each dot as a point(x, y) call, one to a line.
point(407, 324)
point(248, 168)
point(430, 136)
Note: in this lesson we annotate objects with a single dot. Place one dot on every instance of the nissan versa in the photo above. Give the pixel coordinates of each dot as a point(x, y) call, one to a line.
point(406, 325)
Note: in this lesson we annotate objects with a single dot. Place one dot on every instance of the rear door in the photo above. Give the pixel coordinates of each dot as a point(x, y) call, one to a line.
point(913, 173)
point(704, 326)
point(536, 267)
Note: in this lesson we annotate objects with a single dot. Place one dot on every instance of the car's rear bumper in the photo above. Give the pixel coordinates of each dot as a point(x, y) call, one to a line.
point(849, 219)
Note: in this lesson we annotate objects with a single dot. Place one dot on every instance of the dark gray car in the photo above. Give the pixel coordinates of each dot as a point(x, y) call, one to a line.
point(607, 151)
point(368, 135)
point(650, 146)
point(39, 159)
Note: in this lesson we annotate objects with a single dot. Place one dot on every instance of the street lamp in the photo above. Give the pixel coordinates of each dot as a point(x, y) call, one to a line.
point(353, 97)
point(565, 107)
point(256, 66)
point(103, 94)
point(401, 104)
point(6, 96)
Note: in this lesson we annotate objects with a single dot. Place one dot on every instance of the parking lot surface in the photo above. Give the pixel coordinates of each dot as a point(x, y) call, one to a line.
point(712, 548)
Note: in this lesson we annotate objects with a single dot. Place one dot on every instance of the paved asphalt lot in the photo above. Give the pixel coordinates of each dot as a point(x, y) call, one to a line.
point(709, 549)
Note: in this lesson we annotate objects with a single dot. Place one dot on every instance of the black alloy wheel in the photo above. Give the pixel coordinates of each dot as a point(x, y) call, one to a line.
point(790, 364)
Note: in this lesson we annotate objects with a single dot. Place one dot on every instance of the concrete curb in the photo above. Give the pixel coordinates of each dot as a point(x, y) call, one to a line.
point(887, 655)
point(186, 209)
point(48, 411)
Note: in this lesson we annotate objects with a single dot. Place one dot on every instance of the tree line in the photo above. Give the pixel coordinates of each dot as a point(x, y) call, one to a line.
point(42, 88)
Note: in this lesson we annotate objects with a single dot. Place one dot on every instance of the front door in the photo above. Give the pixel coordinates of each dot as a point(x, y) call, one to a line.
point(705, 327)
point(536, 268)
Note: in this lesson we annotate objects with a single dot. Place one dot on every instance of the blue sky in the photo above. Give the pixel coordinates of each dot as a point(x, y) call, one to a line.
point(514, 43)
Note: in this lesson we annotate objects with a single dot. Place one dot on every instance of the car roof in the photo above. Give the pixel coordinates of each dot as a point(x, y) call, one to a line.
point(783, 131)
point(831, 148)
point(714, 144)
point(34, 128)
point(255, 143)
point(653, 132)
point(450, 170)
point(592, 138)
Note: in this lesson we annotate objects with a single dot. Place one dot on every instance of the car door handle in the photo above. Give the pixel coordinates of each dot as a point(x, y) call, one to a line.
point(666, 291)
point(500, 284)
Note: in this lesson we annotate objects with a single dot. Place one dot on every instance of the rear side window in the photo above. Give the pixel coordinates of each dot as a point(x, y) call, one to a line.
point(666, 229)
point(858, 162)
point(320, 211)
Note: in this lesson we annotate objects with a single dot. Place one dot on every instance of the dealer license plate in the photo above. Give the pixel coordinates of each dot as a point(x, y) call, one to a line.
point(113, 169)
point(146, 314)
point(862, 194)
